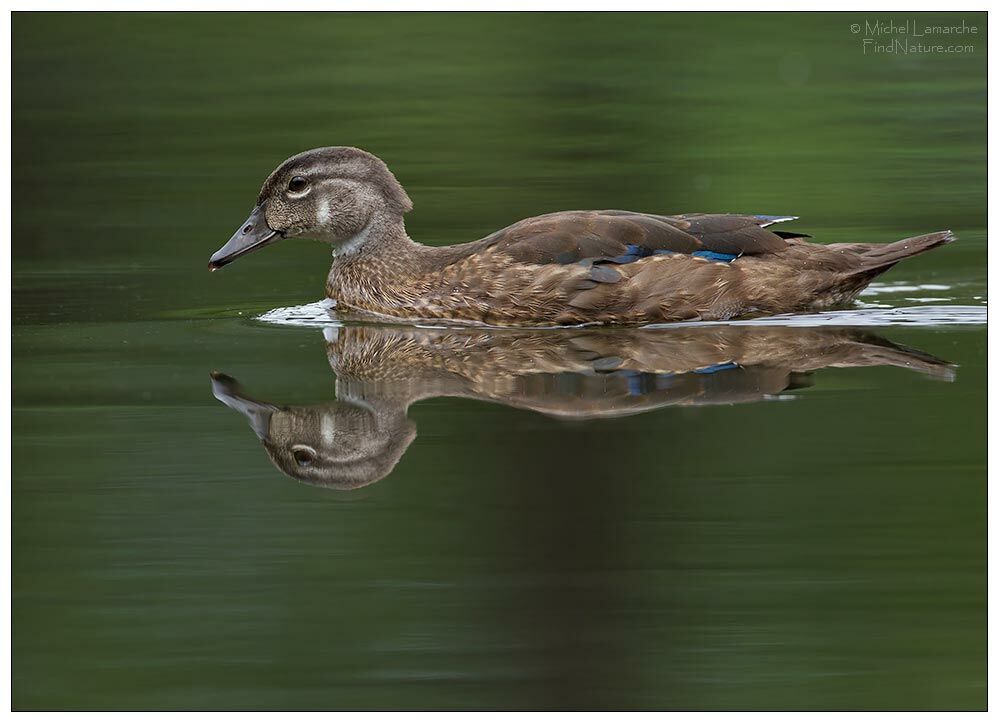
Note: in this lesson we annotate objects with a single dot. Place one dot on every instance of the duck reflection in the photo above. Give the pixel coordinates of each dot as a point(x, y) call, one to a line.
point(571, 374)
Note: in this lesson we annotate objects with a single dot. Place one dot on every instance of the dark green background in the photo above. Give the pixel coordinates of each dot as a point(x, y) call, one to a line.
point(828, 552)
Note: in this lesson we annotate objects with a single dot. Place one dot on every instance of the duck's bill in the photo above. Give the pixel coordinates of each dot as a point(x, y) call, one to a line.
point(258, 414)
point(252, 235)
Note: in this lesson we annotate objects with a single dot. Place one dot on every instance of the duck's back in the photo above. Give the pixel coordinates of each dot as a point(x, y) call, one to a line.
point(568, 237)
point(576, 267)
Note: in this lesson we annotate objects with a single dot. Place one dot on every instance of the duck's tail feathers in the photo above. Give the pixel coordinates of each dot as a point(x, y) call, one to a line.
point(877, 258)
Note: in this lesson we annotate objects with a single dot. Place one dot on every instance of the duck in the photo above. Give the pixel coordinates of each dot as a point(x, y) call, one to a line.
point(574, 374)
point(567, 268)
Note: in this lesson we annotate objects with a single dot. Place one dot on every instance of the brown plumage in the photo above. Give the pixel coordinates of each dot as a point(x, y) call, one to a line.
point(565, 268)
point(566, 373)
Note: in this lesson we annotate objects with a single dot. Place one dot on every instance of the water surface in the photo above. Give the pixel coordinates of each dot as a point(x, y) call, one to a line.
point(783, 514)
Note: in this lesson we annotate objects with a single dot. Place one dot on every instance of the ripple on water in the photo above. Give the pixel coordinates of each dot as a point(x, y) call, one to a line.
point(318, 313)
point(879, 288)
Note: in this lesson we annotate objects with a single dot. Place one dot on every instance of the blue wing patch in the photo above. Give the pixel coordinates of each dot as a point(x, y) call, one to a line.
point(633, 253)
point(716, 256)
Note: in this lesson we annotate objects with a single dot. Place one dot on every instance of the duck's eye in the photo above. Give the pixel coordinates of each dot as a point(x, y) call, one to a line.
point(297, 184)
point(303, 457)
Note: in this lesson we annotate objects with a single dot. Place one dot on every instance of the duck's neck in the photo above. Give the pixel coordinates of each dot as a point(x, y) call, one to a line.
point(379, 266)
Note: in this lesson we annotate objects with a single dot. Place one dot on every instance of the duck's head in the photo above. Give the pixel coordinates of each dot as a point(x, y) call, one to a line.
point(333, 194)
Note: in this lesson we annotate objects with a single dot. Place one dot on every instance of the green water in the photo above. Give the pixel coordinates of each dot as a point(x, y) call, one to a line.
point(818, 542)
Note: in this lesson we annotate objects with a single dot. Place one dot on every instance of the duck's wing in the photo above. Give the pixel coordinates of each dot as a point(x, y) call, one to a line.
point(570, 237)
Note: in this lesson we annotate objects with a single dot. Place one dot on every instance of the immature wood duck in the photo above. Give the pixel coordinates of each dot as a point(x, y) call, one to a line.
point(576, 374)
point(564, 268)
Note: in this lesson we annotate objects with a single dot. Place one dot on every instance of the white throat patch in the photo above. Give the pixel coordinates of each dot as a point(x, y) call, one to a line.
point(353, 243)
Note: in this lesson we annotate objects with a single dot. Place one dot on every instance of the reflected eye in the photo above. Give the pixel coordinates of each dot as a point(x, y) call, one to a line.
point(303, 457)
point(297, 184)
